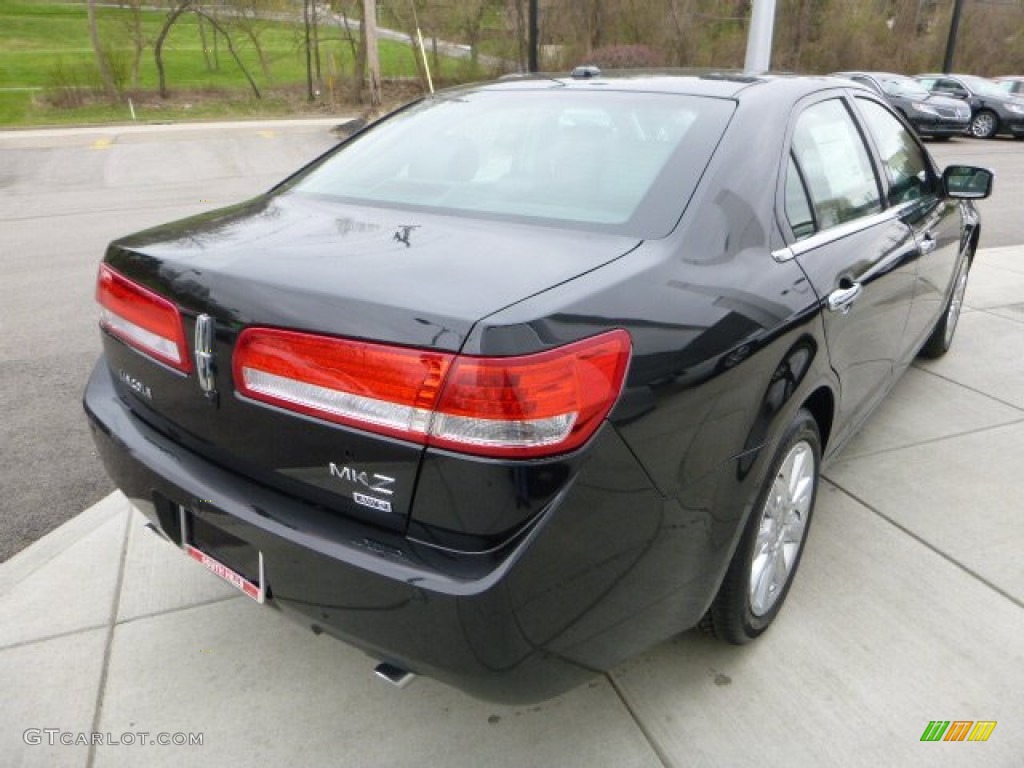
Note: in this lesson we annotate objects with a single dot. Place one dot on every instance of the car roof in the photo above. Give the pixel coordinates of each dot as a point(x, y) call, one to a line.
point(965, 78)
point(870, 73)
point(729, 85)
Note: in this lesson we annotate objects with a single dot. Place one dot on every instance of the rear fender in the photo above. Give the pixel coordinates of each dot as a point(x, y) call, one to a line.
point(777, 400)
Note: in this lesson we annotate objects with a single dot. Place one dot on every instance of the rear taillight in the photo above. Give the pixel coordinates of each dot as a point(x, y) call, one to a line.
point(534, 405)
point(146, 321)
point(391, 390)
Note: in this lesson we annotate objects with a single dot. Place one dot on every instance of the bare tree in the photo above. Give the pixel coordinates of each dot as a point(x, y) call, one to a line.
point(204, 44)
point(308, 49)
point(345, 27)
point(218, 28)
point(517, 11)
point(372, 54)
point(311, 44)
point(991, 39)
point(102, 62)
point(405, 16)
point(251, 17)
point(471, 19)
point(175, 13)
point(158, 47)
point(132, 28)
point(316, 48)
point(810, 35)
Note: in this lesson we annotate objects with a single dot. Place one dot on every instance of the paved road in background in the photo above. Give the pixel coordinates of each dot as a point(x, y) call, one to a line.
point(64, 194)
point(1002, 223)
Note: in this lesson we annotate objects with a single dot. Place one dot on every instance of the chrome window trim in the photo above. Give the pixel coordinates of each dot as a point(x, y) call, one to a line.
point(838, 232)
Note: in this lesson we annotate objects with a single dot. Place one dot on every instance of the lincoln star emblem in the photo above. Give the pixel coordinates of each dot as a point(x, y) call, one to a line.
point(204, 354)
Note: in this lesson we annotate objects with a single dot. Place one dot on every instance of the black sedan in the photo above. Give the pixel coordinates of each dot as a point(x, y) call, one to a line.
point(930, 115)
point(530, 376)
point(993, 110)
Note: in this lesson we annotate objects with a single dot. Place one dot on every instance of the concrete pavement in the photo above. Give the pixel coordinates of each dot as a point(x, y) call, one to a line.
point(909, 608)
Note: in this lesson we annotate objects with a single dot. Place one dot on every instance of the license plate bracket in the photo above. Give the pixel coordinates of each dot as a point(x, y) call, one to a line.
point(206, 543)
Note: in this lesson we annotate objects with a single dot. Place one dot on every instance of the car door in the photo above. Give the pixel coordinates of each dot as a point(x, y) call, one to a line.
point(857, 254)
point(954, 89)
point(914, 192)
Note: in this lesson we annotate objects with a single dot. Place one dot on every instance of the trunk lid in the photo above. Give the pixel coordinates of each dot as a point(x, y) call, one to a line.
point(295, 262)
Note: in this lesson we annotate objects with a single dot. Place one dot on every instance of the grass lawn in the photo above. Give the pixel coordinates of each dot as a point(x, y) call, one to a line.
point(14, 106)
point(46, 45)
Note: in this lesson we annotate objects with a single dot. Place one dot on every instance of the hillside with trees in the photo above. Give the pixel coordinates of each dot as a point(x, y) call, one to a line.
point(811, 36)
point(92, 57)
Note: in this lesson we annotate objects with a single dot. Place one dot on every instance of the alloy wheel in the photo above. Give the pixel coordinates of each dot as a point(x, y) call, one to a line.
point(983, 125)
point(782, 527)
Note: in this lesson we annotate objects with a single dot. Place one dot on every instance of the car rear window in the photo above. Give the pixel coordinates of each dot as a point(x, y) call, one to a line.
point(617, 161)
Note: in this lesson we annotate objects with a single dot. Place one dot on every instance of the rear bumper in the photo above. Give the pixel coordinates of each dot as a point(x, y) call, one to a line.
point(607, 569)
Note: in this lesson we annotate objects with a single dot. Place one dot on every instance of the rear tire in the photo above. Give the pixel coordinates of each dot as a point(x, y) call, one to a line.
point(941, 338)
point(765, 563)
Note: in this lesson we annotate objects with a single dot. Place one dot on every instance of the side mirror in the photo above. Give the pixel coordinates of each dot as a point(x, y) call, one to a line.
point(965, 182)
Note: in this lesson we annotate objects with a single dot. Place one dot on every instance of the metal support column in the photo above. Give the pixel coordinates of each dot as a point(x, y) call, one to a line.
point(759, 39)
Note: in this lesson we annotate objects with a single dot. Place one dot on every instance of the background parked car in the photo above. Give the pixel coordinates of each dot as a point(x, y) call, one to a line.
point(993, 110)
point(1012, 84)
point(929, 114)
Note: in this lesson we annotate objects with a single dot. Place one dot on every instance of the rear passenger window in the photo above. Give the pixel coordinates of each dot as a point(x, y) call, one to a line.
point(835, 164)
point(798, 207)
point(905, 163)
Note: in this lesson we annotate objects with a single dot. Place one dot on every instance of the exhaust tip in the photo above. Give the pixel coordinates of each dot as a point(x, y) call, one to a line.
point(397, 676)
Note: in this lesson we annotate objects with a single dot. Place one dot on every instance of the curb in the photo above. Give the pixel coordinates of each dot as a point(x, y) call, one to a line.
point(39, 553)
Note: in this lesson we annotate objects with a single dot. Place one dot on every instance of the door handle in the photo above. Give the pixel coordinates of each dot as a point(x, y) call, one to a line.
point(841, 299)
point(928, 243)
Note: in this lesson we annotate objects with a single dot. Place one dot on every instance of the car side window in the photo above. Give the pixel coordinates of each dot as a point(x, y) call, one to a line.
point(835, 164)
point(798, 207)
point(908, 170)
point(950, 86)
